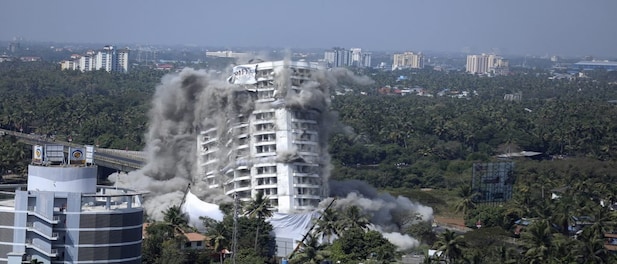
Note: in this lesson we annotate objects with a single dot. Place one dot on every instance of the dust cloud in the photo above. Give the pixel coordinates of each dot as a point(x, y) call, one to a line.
point(192, 101)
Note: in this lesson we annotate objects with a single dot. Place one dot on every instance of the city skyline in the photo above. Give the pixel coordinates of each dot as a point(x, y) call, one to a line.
point(567, 27)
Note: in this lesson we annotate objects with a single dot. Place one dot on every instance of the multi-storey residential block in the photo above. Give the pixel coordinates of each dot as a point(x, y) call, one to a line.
point(340, 57)
point(108, 59)
point(487, 64)
point(62, 216)
point(408, 60)
point(274, 148)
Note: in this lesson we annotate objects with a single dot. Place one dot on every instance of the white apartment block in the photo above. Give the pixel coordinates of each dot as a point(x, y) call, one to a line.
point(340, 57)
point(487, 64)
point(337, 57)
point(408, 60)
point(108, 59)
point(276, 147)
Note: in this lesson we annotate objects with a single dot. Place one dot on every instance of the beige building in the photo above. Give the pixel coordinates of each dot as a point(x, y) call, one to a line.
point(408, 60)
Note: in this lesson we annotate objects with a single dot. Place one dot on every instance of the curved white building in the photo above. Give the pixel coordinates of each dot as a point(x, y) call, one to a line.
point(272, 143)
point(62, 216)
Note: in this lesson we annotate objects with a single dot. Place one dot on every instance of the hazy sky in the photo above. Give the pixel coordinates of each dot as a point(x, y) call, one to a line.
point(536, 27)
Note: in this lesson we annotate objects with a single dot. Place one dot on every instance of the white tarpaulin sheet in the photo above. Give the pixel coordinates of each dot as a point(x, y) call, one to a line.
point(195, 208)
point(289, 230)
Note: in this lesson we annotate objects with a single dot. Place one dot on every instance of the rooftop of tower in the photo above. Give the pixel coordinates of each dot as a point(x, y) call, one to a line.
point(247, 73)
point(107, 198)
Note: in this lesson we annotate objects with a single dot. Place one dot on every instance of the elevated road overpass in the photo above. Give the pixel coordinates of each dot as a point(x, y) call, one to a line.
point(116, 159)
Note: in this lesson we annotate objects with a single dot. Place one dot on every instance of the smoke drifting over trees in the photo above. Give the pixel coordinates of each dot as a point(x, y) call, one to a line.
point(191, 101)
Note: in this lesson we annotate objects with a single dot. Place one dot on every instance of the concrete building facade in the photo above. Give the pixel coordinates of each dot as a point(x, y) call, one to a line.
point(108, 59)
point(487, 64)
point(341, 57)
point(62, 216)
point(275, 148)
point(408, 60)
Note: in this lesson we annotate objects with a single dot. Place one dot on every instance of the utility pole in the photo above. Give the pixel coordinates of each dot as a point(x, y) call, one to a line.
point(234, 241)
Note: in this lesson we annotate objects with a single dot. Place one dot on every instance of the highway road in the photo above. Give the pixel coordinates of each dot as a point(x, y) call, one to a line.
point(122, 160)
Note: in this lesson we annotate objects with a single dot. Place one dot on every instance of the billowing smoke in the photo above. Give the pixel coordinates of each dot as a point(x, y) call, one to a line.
point(388, 214)
point(192, 101)
point(182, 105)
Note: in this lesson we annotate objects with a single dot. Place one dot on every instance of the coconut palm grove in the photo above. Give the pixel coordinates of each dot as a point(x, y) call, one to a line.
point(414, 132)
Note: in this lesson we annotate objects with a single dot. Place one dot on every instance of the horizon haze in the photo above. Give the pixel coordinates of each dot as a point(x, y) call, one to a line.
point(526, 27)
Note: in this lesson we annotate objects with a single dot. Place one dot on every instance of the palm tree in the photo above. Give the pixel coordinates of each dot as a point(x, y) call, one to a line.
point(592, 249)
point(328, 224)
point(218, 240)
point(258, 208)
point(451, 244)
point(466, 204)
point(537, 242)
point(353, 218)
point(176, 218)
point(311, 251)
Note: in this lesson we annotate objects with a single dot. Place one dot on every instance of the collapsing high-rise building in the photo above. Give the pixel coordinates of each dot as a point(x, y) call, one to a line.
point(274, 140)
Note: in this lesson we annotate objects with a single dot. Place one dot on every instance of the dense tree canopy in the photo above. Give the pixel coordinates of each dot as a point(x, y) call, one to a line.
point(398, 142)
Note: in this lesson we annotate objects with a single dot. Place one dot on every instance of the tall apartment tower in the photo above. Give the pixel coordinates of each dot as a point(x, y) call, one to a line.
point(104, 59)
point(108, 59)
point(273, 145)
point(408, 60)
point(121, 60)
point(338, 57)
point(62, 216)
point(487, 64)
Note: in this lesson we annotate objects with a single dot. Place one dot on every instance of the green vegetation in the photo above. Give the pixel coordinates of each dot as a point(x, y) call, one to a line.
point(399, 144)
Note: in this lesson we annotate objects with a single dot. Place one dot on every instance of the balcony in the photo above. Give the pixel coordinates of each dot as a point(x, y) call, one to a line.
point(30, 226)
point(53, 220)
point(53, 252)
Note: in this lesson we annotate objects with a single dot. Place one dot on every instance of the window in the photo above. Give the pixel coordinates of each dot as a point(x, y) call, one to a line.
point(306, 180)
point(265, 94)
point(266, 170)
point(304, 115)
point(305, 147)
point(303, 168)
point(264, 116)
point(270, 191)
point(266, 148)
point(265, 137)
point(305, 137)
point(264, 127)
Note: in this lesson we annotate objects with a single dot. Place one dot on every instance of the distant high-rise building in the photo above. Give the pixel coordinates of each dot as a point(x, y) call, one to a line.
point(366, 59)
point(108, 59)
point(103, 59)
point(408, 60)
point(340, 57)
point(356, 57)
point(121, 62)
point(487, 64)
point(86, 63)
point(360, 58)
